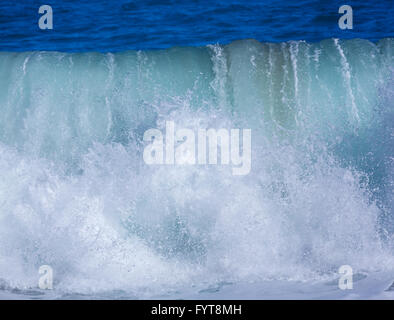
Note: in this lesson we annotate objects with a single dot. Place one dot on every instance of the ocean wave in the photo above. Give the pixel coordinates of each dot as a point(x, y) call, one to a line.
point(76, 194)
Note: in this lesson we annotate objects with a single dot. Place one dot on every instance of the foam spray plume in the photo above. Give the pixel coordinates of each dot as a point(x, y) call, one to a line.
point(76, 194)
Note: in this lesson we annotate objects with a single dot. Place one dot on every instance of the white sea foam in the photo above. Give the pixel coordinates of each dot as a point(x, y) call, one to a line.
point(76, 194)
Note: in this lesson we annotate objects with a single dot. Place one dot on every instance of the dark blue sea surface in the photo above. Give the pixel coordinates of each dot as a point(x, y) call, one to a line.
point(109, 26)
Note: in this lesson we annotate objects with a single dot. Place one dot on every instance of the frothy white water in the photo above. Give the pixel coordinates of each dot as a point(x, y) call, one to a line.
point(75, 193)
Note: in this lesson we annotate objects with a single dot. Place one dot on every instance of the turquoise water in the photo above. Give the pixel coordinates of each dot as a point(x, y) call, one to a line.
point(76, 194)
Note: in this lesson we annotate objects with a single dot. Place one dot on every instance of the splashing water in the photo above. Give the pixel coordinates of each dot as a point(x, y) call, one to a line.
point(76, 194)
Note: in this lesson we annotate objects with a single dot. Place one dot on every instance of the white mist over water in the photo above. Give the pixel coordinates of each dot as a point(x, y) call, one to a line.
point(76, 194)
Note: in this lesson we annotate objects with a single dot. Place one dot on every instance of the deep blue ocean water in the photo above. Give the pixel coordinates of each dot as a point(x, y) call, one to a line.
point(109, 26)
